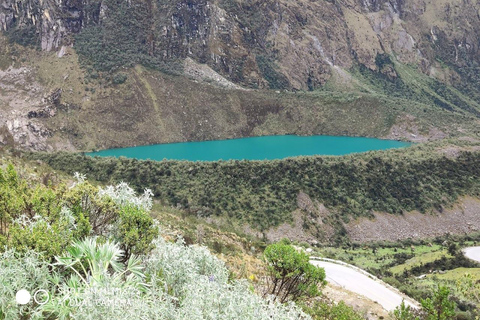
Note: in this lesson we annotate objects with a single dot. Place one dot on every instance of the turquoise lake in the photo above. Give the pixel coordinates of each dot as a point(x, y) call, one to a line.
point(256, 148)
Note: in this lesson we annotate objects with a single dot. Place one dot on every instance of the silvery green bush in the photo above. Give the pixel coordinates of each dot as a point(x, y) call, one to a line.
point(179, 265)
point(103, 278)
point(206, 299)
point(123, 195)
point(22, 271)
point(184, 282)
point(200, 283)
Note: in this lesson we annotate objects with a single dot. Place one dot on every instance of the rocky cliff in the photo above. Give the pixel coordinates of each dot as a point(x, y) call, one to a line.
point(423, 50)
point(293, 44)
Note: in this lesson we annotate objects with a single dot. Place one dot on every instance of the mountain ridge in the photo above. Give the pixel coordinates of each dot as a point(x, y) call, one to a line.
point(176, 70)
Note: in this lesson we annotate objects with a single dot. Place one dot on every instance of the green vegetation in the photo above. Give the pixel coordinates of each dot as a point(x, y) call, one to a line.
point(438, 307)
point(264, 193)
point(466, 64)
point(24, 35)
point(275, 79)
point(419, 267)
point(45, 219)
point(291, 275)
point(124, 38)
point(394, 79)
point(105, 260)
point(405, 312)
point(324, 311)
point(418, 260)
point(379, 258)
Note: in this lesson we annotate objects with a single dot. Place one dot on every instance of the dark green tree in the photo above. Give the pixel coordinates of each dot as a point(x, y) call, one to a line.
point(439, 306)
point(405, 312)
point(291, 275)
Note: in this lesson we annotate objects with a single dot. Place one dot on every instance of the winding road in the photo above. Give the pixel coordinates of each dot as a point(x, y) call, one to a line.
point(472, 253)
point(360, 282)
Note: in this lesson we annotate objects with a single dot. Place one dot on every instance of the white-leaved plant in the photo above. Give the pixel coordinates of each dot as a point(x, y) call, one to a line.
point(79, 179)
point(96, 278)
point(200, 283)
point(184, 283)
point(30, 223)
point(22, 271)
point(123, 195)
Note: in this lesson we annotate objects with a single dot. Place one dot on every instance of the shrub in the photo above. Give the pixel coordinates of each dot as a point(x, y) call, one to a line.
point(276, 80)
point(266, 191)
point(291, 275)
point(22, 271)
point(135, 231)
point(324, 311)
point(93, 213)
point(182, 282)
point(439, 306)
point(119, 78)
point(405, 312)
point(47, 219)
point(40, 236)
point(201, 284)
point(92, 277)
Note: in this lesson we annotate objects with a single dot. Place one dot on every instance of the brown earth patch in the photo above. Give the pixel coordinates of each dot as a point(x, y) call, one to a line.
point(408, 128)
point(308, 223)
point(455, 151)
point(366, 307)
point(462, 218)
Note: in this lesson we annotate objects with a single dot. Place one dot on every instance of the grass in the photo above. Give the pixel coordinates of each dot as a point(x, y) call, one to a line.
point(5, 53)
point(369, 258)
point(388, 261)
point(264, 193)
point(418, 260)
point(456, 274)
point(154, 107)
point(148, 87)
point(241, 253)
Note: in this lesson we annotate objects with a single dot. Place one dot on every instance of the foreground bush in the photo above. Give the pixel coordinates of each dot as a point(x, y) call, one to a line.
point(324, 311)
point(437, 307)
point(291, 275)
point(173, 282)
point(22, 271)
point(47, 219)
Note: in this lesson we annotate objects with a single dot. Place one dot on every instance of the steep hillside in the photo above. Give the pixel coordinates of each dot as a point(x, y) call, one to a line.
point(292, 44)
point(86, 74)
point(314, 199)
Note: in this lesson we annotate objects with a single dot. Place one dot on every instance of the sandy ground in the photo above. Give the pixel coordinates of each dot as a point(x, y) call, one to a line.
point(364, 306)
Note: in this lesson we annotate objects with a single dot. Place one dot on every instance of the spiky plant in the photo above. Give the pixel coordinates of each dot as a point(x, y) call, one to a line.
point(97, 275)
point(93, 263)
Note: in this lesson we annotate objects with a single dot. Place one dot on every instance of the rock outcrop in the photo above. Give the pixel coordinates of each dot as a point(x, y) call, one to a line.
point(114, 60)
point(263, 43)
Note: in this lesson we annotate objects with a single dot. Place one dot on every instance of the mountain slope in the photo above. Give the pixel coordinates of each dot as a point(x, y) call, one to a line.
point(173, 70)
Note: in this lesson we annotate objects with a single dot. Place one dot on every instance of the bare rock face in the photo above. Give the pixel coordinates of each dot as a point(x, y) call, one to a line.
point(52, 22)
point(263, 43)
point(19, 123)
